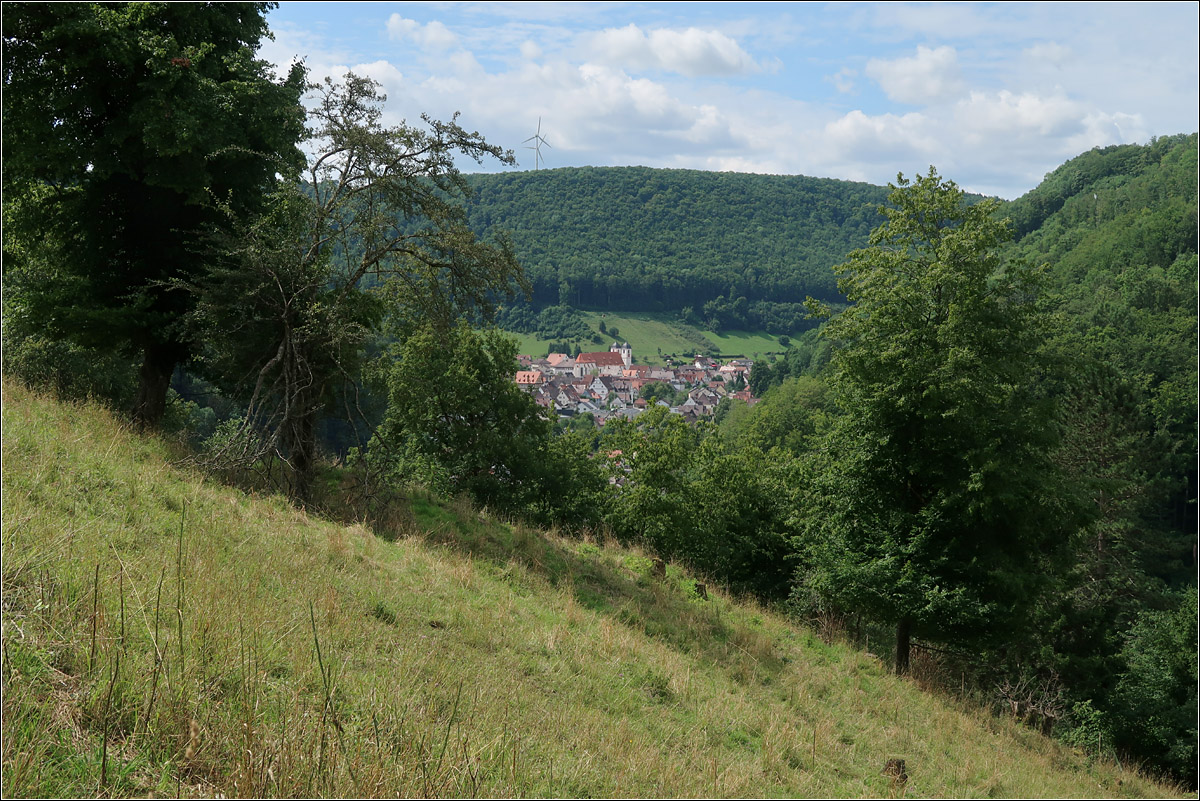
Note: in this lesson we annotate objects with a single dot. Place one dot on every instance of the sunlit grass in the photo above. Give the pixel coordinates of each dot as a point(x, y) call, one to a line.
point(655, 336)
point(164, 634)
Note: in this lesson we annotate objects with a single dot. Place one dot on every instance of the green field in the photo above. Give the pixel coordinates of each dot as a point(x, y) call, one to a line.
point(656, 336)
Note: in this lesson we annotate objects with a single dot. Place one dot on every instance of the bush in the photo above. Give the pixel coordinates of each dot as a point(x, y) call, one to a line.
point(70, 371)
point(1087, 729)
point(1155, 698)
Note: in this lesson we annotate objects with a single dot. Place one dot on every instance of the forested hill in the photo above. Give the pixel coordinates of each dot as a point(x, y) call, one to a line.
point(1117, 226)
point(642, 239)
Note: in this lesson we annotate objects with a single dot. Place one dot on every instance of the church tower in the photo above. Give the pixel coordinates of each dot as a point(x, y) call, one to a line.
point(625, 351)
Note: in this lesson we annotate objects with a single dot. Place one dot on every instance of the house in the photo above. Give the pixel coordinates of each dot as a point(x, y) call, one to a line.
point(588, 407)
point(602, 387)
point(563, 366)
point(661, 374)
point(544, 396)
point(704, 401)
point(567, 397)
point(731, 371)
point(529, 380)
point(627, 413)
point(623, 387)
point(745, 395)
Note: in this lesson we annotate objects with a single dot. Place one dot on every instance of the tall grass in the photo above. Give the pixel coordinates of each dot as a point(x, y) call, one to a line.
point(164, 634)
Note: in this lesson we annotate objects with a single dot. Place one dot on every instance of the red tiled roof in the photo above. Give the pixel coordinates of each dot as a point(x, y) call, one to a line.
point(600, 359)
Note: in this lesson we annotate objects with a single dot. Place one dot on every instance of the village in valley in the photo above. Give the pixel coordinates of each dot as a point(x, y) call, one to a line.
point(608, 385)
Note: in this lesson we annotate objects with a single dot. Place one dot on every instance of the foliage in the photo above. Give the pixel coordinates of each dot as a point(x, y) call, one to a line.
point(71, 371)
point(806, 355)
point(1156, 694)
point(123, 123)
point(1088, 730)
point(641, 239)
point(552, 322)
point(452, 403)
point(793, 417)
point(654, 391)
point(1118, 226)
point(689, 497)
point(940, 510)
point(374, 229)
point(572, 486)
point(1123, 245)
point(740, 314)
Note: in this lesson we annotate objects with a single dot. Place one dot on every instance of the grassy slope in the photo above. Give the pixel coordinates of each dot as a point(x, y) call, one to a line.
point(650, 334)
point(467, 657)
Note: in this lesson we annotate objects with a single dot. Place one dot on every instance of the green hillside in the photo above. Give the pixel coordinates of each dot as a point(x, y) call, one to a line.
point(653, 337)
point(642, 239)
point(164, 634)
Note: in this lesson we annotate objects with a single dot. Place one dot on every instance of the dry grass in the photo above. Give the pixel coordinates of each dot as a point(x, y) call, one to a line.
point(163, 634)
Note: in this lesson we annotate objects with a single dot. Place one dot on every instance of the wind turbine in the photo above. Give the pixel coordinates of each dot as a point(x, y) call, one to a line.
point(538, 140)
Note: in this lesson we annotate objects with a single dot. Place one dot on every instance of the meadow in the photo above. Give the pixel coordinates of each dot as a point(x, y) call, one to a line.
point(655, 336)
point(166, 634)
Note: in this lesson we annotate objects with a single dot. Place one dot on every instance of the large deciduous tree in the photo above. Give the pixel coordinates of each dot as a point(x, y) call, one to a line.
point(123, 122)
point(372, 232)
point(939, 511)
point(456, 420)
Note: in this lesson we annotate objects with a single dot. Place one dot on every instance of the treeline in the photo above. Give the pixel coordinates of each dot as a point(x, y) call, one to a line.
point(552, 322)
point(642, 239)
point(740, 314)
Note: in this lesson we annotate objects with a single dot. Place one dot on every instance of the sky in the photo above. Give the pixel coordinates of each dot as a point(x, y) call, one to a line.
point(994, 95)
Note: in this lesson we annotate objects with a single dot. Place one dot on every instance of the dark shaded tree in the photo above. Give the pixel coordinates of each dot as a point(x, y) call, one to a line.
point(123, 124)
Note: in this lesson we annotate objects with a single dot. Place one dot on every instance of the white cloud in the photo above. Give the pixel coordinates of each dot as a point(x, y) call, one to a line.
point(883, 137)
point(1101, 129)
point(1048, 54)
point(691, 52)
point(383, 72)
point(928, 77)
point(431, 36)
point(843, 79)
point(993, 105)
point(530, 50)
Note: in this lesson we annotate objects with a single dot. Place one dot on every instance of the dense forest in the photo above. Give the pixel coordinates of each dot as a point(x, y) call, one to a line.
point(984, 457)
point(642, 239)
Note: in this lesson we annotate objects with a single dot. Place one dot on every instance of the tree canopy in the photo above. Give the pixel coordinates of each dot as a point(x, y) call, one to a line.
point(372, 233)
point(123, 123)
point(937, 513)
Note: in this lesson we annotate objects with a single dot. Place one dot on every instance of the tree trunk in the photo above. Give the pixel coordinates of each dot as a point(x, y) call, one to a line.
point(301, 450)
point(903, 637)
point(154, 379)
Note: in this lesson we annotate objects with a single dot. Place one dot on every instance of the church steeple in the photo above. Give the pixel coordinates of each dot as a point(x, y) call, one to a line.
point(625, 351)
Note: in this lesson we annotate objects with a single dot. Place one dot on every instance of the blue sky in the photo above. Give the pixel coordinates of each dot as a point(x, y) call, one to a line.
point(994, 95)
